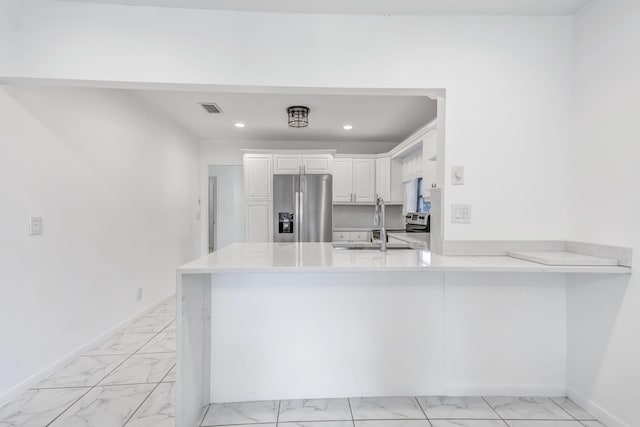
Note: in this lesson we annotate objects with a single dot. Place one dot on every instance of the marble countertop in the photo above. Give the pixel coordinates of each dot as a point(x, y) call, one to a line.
point(562, 258)
point(322, 257)
point(419, 239)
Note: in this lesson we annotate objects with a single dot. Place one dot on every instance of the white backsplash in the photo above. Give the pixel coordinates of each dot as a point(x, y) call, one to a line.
point(347, 216)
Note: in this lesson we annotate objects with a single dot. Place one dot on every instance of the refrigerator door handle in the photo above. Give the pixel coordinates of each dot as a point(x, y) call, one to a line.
point(296, 201)
point(300, 214)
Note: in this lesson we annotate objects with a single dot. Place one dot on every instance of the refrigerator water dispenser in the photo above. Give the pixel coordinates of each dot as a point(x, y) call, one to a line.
point(285, 222)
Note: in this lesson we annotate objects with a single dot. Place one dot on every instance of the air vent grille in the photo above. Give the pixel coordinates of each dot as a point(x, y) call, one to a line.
point(211, 108)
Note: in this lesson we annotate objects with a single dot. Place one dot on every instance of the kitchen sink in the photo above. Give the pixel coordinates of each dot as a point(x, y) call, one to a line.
point(370, 246)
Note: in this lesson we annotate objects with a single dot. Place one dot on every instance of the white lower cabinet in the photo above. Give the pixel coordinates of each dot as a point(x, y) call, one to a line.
point(341, 236)
point(351, 236)
point(359, 236)
point(258, 222)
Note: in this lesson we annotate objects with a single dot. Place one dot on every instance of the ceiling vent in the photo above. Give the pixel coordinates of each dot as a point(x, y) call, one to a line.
point(211, 108)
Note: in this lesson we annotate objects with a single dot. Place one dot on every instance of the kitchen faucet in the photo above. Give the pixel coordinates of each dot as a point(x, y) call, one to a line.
point(378, 218)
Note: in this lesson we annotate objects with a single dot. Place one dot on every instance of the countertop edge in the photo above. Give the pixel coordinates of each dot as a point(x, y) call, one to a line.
point(536, 268)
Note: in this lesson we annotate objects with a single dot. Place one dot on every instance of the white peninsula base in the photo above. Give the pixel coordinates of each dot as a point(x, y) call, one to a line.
point(288, 321)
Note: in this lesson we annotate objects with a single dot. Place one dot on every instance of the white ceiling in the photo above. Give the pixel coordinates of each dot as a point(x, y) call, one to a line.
point(374, 118)
point(375, 7)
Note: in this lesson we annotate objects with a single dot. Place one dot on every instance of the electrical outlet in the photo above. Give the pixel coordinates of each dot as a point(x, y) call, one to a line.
point(35, 225)
point(139, 295)
point(461, 214)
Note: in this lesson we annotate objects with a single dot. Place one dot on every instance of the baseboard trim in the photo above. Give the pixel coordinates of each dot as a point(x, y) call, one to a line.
point(596, 410)
point(521, 390)
point(26, 384)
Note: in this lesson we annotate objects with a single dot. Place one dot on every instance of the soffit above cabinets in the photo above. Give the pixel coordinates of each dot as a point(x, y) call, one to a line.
point(373, 7)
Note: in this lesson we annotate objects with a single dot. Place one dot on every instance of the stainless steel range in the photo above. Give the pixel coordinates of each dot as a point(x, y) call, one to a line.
point(415, 222)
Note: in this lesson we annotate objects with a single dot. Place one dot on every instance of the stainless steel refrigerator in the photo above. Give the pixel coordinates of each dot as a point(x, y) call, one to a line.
point(302, 208)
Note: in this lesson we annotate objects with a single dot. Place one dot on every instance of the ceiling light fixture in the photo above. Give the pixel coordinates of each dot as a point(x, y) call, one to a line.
point(239, 125)
point(298, 116)
point(347, 127)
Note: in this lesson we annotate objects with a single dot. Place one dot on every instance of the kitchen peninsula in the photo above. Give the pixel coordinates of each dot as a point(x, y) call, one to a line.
point(260, 321)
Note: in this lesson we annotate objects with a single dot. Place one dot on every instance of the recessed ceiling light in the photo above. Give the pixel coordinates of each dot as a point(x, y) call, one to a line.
point(347, 127)
point(239, 125)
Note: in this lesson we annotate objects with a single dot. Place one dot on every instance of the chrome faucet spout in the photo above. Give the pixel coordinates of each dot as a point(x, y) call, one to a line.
point(380, 219)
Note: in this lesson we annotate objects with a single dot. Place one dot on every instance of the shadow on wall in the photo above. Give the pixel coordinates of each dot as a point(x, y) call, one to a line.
point(595, 305)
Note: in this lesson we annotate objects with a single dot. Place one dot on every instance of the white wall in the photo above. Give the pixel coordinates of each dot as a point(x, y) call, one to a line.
point(117, 186)
point(604, 207)
point(229, 204)
point(507, 81)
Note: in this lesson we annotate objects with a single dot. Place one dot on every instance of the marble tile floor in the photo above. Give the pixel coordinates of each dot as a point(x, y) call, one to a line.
point(431, 411)
point(129, 380)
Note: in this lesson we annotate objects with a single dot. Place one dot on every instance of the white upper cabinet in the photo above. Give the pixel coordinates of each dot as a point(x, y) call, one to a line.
point(313, 164)
point(343, 179)
point(287, 164)
point(354, 180)
point(258, 176)
point(317, 163)
point(364, 180)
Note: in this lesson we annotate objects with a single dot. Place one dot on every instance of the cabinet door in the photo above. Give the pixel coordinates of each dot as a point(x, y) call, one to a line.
point(341, 236)
point(258, 226)
point(359, 236)
point(286, 164)
point(383, 178)
point(317, 163)
point(364, 180)
point(258, 176)
point(342, 179)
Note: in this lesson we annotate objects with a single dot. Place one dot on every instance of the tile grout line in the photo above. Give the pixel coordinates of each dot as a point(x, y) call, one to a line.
point(423, 411)
point(560, 406)
point(148, 396)
point(278, 416)
point(494, 411)
point(206, 412)
point(353, 421)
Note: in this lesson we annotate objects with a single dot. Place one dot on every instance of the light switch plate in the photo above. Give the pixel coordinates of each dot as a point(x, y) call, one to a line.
point(35, 225)
point(457, 175)
point(461, 214)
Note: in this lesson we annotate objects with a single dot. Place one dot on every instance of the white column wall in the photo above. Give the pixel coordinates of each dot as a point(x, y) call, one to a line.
point(604, 207)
